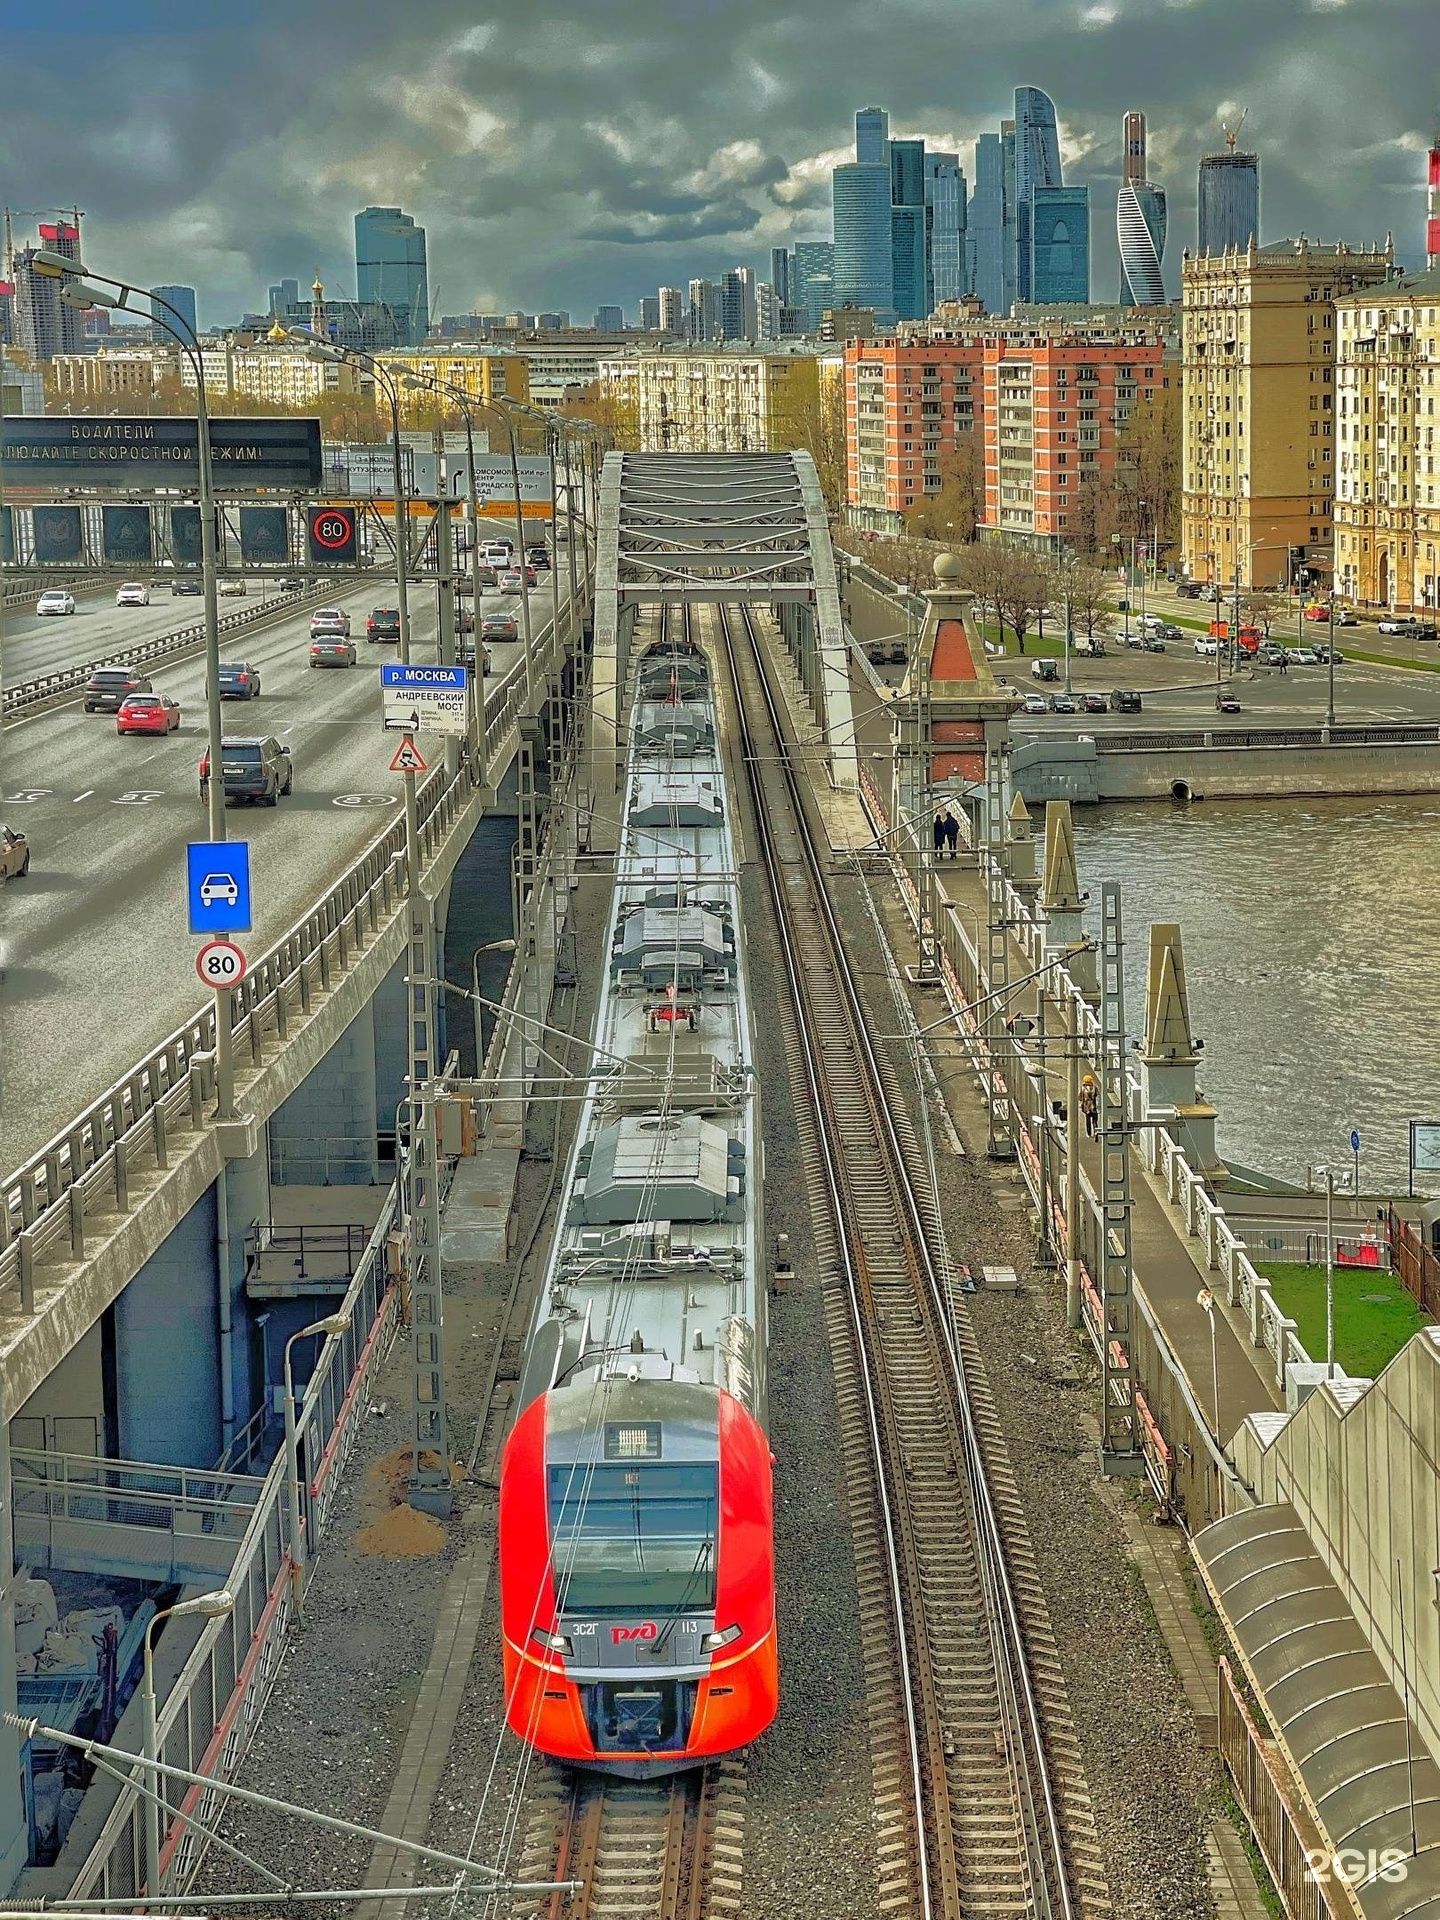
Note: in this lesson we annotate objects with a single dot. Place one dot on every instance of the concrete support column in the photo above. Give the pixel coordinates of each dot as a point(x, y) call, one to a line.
point(167, 1349)
point(325, 1133)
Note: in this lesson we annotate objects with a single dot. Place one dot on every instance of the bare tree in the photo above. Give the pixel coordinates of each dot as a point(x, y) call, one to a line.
point(1091, 596)
point(1025, 588)
point(952, 513)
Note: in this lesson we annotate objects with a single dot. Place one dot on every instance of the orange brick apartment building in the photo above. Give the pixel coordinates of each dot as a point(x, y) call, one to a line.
point(1049, 407)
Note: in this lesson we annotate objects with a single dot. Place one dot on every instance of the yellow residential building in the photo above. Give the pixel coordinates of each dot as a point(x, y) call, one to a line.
point(481, 375)
point(1259, 357)
point(1387, 385)
point(716, 401)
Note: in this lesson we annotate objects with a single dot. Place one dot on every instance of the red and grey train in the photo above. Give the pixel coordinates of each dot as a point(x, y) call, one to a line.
point(636, 1524)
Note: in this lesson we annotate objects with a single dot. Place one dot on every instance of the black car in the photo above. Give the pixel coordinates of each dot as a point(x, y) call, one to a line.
point(382, 623)
point(537, 556)
point(238, 680)
point(192, 587)
point(293, 586)
point(108, 688)
point(1189, 589)
point(1125, 700)
point(255, 769)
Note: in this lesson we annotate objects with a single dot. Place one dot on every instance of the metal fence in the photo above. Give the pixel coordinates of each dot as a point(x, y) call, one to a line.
point(47, 1204)
point(210, 1715)
point(1259, 1787)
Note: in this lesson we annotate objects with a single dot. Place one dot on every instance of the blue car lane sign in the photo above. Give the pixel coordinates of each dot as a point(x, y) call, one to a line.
point(218, 886)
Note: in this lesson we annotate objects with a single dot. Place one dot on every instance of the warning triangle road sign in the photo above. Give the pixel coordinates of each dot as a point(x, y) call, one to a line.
point(408, 758)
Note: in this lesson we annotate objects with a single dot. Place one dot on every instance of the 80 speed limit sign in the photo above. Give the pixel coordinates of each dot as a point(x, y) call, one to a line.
point(220, 963)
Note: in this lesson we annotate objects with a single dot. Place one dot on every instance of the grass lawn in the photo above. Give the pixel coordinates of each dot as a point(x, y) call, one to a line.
point(1374, 1315)
point(1389, 660)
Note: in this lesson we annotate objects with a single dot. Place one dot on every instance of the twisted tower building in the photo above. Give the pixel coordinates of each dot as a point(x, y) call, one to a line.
point(1140, 221)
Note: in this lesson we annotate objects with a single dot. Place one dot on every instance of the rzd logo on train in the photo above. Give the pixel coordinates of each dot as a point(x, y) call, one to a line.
point(647, 1630)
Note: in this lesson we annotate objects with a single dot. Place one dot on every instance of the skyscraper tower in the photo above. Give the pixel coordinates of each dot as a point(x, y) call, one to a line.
point(1140, 223)
point(1432, 224)
point(907, 228)
point(872, 137)
point(390, 269)
point(1229, 197)
point(1037, 164)
point(985, 240)
point(945, 215)
point(864, 257)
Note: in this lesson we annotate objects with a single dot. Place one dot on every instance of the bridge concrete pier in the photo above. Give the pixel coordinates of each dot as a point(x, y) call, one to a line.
point(167, 1349)
point(324, 1134)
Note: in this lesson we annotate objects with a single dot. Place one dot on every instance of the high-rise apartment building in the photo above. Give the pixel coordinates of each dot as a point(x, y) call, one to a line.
point(985, 238)
point(1259, 361)
point(780, 274)
point(672, 310)
point(907, 228)
point(717, 401)
point(737, 305)
point(182, 300)
point(390, 270)
point(812, 279)
point(1037, 165)
point(872, 136)
point(1059, 245)
point(609, 320)
point(864, 270)
point(702, 320)
point(649, 313)
point(767, 312)
point(1387, 512)
point(945, 223)
point(1140, 222)
point(44, 324)
point(1229, 207)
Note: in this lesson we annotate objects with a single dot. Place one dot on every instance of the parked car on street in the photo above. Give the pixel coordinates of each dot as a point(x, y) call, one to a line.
point(1094, 703)
point(1036, 703)
point(1062, 703)
point(134, 593)
point(1324, 653)
point(108, 688)
point(148, 713)
point(55, 600)
point(14, 854)
point(1125, 700)
point(258, 768)
point(239, 680)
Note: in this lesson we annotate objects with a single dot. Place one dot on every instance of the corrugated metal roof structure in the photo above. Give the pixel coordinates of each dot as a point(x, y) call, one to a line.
point(1331, 1707)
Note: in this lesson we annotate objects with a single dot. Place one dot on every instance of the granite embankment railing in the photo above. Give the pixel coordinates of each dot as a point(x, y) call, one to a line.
point(1194, 1209)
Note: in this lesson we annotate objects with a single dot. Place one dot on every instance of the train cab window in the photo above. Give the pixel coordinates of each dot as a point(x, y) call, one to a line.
point(638, 1538)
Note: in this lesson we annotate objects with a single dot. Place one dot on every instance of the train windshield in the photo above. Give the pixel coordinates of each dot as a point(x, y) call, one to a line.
point(634, 1538)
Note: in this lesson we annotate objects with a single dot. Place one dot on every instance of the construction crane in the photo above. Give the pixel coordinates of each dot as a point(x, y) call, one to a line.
point(33, 213)
point(1232, 134)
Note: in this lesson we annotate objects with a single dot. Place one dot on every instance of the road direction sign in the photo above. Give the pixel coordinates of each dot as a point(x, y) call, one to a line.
point(220, 963)
point(218, 884)
point(408, 758)
point(424, 699)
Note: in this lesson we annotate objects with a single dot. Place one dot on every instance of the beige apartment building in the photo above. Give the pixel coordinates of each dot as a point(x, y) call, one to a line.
point(1259, 364)
point(1387, 383)
point(110, 373)
point(484, 376)
point(715, 401)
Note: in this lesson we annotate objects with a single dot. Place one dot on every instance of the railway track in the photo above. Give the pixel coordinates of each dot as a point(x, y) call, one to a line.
point(980, 1793)
point(643, 1850)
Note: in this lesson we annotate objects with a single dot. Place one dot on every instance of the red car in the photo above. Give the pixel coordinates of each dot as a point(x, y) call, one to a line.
point(148, 713)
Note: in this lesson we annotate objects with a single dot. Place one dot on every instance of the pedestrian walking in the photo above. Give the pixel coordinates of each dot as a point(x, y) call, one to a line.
point(952, 835)
point(1090, 1104)
point(1284, 664)
point(939, 832)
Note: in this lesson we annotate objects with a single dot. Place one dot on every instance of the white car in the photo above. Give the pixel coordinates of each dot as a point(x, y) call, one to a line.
point(219, 889)
point(1148, 621)
point(1393, 626)
point(55, 600)
point(1206, 646)
point(232, 588)
point(134, 593)
point(329, 620)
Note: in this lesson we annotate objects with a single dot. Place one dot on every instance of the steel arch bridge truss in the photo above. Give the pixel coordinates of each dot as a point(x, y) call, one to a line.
point(724, 527)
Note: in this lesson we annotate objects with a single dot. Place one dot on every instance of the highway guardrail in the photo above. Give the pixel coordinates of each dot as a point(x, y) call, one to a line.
point(33, 696)
point(85, 1170)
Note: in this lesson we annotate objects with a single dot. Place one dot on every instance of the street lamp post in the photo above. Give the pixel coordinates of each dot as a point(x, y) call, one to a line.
point(1329, 1271)
point(79, 292)
point(208, 1606)
point(1205, 1300)
point(488, 946)
point(332, 1323)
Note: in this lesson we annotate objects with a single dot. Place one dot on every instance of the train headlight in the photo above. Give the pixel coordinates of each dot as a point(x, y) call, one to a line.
point(553, 1642)
point(713, 1642)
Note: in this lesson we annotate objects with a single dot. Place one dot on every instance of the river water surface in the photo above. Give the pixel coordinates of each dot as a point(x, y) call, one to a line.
point(1312, 943)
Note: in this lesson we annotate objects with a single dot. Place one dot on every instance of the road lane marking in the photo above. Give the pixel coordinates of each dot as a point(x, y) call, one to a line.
point(82, 796)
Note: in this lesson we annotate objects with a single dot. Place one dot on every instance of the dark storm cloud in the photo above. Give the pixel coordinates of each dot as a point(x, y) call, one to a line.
point(561, 154)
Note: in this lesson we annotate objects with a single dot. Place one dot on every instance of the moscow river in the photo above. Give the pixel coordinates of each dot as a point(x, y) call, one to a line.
point(1312, 942)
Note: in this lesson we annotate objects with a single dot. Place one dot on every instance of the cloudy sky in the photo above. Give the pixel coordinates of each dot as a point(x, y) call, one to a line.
point(564, 152)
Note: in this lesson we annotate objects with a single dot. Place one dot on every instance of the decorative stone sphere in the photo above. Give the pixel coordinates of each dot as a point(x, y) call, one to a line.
point(947, 567)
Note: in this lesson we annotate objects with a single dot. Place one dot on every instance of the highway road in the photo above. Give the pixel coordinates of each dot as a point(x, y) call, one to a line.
point(33, 646)
point(96, 962)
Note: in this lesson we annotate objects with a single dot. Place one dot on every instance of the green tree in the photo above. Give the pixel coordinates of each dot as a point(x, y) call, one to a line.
point(951, 514)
